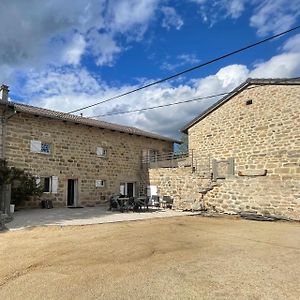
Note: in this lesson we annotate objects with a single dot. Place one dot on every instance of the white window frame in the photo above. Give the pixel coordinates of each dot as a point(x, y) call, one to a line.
point(100, 183)
point(124, 188)
point(101, 152)
point(37, 146)
point(53, 183)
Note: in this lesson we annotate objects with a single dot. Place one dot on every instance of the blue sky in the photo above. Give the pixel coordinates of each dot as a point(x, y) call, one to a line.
point(68, 54)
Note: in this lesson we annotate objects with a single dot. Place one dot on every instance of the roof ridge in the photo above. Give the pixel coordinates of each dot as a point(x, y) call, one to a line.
point(55, 114)
point(239, 88)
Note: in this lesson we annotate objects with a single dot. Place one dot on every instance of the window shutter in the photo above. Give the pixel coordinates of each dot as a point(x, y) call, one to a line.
point(35, 146)
point(37, 180)
point(54, 186)
point(122, 188)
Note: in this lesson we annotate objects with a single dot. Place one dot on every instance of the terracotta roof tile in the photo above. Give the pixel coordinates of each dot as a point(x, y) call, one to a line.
point(25, 108)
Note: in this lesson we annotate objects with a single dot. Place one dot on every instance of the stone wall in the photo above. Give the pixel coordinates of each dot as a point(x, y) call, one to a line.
point(263, 135)
point(260, 195)
point(263, 139)
point(181, 184)
point(73, 156)
point(234, 195)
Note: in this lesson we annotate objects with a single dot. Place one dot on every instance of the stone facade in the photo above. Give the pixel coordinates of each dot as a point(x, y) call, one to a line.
point(181, 184)
point(263, 135)
point(259, 195)
point(73, 155)
point(262, 138)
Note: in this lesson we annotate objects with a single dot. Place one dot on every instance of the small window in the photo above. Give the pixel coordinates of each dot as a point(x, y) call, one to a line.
point(101, 152)
point(249, 102)
point(40, 147)
point(100, 183)
point(46, 183)
point(45, 148)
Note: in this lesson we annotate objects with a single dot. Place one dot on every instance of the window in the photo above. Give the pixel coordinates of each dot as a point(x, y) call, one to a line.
point(46, 182)
point(49, 183)
point(249, 102)
point(101, 152)
point(100, 183)
point(40, 147)
point(45, 148)
point(152, 155)
point(128, 189)
point(149, 155)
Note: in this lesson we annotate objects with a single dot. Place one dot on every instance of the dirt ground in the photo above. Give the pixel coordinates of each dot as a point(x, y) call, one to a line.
point(175, 258)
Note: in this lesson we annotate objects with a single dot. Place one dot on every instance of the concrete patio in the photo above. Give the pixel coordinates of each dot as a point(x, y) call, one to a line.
point(27, 218)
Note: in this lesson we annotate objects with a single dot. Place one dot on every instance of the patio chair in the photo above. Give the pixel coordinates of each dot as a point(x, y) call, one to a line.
point(154, 200)
point(141, 202)
point(167, 202)
point(114, 203)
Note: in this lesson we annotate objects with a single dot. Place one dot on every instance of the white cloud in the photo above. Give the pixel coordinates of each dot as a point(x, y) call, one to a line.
point(180, 61)
point(73, 87)
point(171, 18)
point(267, 16)
point(61, 32)
point(293, 44)
point(104, 47)
point(213, 11)
point(235, 8)
point(283, 65)
point(274, 16)
point(75, 50)
point(70, 88)
point(131, 15)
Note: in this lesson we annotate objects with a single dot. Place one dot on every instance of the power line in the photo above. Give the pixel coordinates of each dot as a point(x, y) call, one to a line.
point(188, 70)
point(160, 106)
point(183, 102)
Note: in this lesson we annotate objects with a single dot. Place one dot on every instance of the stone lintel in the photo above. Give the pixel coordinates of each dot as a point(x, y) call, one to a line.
point(252, 173)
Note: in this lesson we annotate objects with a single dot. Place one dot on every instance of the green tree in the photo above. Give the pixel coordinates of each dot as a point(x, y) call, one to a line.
point(23, 185)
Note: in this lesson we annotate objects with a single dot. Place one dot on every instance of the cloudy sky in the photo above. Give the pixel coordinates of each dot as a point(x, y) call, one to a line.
point(68, 54)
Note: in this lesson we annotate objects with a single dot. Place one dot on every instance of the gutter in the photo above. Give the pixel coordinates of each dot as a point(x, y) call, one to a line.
point(5, 118)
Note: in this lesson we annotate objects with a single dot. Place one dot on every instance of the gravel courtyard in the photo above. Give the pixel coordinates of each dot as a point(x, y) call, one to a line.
point(189, 257)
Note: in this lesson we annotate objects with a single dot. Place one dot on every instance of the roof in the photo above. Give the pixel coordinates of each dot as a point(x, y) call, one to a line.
point(38, 111)
point(237, 90)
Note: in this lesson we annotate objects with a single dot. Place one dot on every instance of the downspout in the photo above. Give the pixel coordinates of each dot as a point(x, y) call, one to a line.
point(5, 118)
point(6, 115)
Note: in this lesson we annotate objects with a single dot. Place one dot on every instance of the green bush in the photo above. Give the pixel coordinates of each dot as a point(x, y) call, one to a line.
point(23, 185)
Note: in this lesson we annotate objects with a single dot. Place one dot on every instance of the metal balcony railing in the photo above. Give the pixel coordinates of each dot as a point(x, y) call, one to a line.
point(178, 159)
point(168, 159)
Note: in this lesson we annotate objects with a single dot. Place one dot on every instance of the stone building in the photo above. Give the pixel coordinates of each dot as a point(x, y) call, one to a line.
point(249, 142)
point(79, 161)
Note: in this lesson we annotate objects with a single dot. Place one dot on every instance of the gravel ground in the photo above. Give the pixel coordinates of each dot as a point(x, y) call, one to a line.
point(189, 257)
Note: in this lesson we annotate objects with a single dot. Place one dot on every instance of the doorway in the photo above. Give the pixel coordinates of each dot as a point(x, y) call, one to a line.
point(72, 192)
point(128, 189)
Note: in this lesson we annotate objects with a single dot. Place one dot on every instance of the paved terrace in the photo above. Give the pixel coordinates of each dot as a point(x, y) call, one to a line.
point(82, 216)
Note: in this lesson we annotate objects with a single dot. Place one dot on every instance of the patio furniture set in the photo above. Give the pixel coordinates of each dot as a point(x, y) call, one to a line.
point(125, 203)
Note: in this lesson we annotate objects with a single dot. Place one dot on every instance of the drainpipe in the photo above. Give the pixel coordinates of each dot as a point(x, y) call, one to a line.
point(6, 115)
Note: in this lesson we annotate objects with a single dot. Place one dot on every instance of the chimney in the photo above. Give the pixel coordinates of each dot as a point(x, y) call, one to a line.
point(4, 92)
